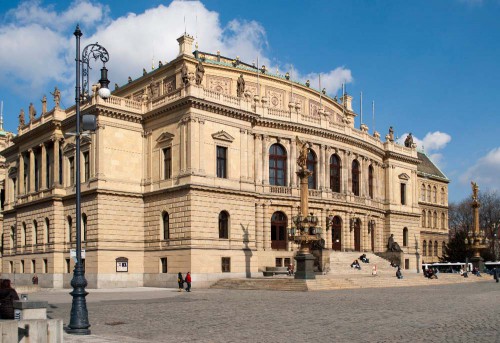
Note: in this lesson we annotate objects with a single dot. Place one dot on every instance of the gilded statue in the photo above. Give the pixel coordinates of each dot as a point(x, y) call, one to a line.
point(475, 190)
point(303, 148)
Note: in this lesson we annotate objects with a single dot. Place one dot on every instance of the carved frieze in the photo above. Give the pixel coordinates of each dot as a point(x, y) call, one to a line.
point(297, 98)
point(168, 84)
point(313, 109)
point(251, 87)
point(276, 97)
point(137, 96)
point(219, 84)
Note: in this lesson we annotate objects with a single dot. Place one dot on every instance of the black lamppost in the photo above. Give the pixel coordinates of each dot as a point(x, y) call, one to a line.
point(79, 321)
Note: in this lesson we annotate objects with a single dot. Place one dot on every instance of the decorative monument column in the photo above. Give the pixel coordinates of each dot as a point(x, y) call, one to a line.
point(305, 230)
point(476, 238)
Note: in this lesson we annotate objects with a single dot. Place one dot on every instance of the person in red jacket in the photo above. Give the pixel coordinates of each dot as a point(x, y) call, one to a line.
point(188, 282)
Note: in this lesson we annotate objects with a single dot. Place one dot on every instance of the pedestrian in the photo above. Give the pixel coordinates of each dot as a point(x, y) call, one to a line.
point(34, 279)
point(188, 282)
point(7, 297)
point(496, 274)
point(180, 281)
point(399, 275)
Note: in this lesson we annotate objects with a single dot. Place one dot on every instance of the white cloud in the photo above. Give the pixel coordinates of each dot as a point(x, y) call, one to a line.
point(41, 44)
point(485, 171)
point(432, 141)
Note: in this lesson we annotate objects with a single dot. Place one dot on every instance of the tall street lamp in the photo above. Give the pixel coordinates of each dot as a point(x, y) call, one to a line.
point(79, 321)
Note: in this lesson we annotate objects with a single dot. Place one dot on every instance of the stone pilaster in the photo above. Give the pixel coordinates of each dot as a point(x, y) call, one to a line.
point(258, 158)
point(293, 158)
point(20, 177)
point(43, 175)
point(31, 178)
point(56, 181)
point(258, 227)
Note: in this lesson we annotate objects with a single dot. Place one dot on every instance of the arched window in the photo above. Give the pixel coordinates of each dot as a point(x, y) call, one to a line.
point(429, 193)
point(435, 248)
point(435, 220)
point(277, 165)
point(335, 173)
point(370, 181)
point(224, 225)
point(166, 225)
point(443, 196)
point(443, 221)
point(84, 227)
point(429, 219)
point(12, 237)
point(311, 166)
point(69, 229)
point(46, 238)
point(422, 193)
point(355, 177)
point(423, 219)
point(405, 237)
point(279, 224)
point(424, 248)
point(35, 232)
point(23, 237)
point(434, 195)
point(430, 248)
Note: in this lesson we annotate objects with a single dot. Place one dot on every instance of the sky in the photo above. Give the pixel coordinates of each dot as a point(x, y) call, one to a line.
point(431, 67)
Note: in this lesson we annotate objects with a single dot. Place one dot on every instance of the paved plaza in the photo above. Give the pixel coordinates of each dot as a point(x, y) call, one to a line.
point(444, 313)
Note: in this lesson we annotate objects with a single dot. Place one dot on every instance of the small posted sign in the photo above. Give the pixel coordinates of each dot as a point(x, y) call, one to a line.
point(72, 254)
point(122, 264)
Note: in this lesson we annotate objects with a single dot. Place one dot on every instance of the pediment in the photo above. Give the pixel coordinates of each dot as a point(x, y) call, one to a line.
point(165, 137)
point(12, 171)
point(85, 140)
point(404, 176)
point(69, 147)
point(223, 136)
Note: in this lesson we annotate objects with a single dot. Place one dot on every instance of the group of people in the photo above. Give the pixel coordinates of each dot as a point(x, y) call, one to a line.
point(430, 273)
point(7, 296)
point(181, 280)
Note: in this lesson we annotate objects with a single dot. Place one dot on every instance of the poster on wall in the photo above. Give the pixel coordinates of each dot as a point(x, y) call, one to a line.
point(122, 264)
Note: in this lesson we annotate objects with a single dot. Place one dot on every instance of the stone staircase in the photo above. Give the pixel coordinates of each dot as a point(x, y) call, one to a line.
point(340, 264)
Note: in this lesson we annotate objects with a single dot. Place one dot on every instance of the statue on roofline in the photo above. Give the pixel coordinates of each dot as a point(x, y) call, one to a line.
point(303, 148)
point(200, 72)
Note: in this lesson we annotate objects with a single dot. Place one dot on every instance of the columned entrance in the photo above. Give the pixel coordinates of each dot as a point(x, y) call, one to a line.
point(336, 233)
point(357, 234)
point(279, 223)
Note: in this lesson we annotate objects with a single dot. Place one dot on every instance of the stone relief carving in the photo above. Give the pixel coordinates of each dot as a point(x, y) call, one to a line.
point(219, 84)
point(137, 96)
point(276, 97)
point(168, 84)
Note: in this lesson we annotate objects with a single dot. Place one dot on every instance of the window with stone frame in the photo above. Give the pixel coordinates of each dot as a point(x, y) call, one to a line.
point(86, 166)
point(355, 177)
point(223, 225)
point(370, 182)
point(435, 248)
point(435, 220)
point(424, 220)
point(422, 193)
point(84, 227)
point(226, 264)
point(24, 238)
point(403, 193)
point(69, 229)
point(405, 237)
point(221, 162)
point(164, 265)
point(335, 168)
point(35, 232)
point(71, 162)
point(443, 221)
point(312, 162)
point(46, 234)
point(167, 163)
point(429, 193)
point(166, 225)
point(443, 196)
point(277, 165)
point(429, 248)
point(424, 248)
point(434, 195)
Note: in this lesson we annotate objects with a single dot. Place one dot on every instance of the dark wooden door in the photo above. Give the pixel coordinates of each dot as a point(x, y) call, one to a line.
point(357, 235)
point(278, 230)
point(336, 234)
point(373, 239)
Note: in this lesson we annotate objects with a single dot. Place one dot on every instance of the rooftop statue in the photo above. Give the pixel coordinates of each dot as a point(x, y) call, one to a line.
point(240, 86)
point(44, 105)
point(21, 118)
point(184, 74)
point(144, 72)
point(200, 72)
point(32, 112)
point(475, 190)
point(391, 134)
point(409, 141)
point(57, 96)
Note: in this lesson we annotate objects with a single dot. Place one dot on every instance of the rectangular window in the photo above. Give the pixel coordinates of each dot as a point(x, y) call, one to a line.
point(222, 162)
point(71, 161)
point(279, 262)
point(33, 266)
point(68, 265)
point(163, 261)
point(22, 267)
point(226, 264)
point(45, 265)
point(11, 266)
point(86, 164)
point(403, 194)
point(407, 263)
point(167, 163)
point(287, 261)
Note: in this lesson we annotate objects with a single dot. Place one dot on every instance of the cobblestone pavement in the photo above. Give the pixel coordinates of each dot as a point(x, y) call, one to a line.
point(445, 313)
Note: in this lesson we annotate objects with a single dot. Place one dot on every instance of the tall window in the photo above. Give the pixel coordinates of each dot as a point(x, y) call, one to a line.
point(422, 193)
point(279, 224)
point(224, 225)
point(443, 221)
point(69, 228)
point(430, 248)
point(355, 177)
point(435, 220)
point(443, 196)
point(12, 237)
point(48, 172)
point(23, 238)
point(46, 237)
point(405, 237)
point(311, 166)
point(435, 248)
point(84, 227)
point(434, 195)
point(429, 219)
point(37, 174)
point(86, 164)
point(429, 193)
point(35, 232)
point(226, 264)
point(222, 162)
point(164, 265)
point(370, 181)
point(403, 194)
point(71, 171)
point(423, 218)
point(335, 173)
point(166, 225)
point(277, 165)
point(424, 248)
point(167, 163)
point(26, 190)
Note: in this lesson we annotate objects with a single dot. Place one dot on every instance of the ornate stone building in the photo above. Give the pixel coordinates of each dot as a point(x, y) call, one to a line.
point(192, 168)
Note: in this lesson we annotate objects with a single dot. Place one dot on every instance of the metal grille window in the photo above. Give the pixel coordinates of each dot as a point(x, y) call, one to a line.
point(226, 264)
point(335, 173)
point(222, 162)
point(277, 165)
point(167, 163)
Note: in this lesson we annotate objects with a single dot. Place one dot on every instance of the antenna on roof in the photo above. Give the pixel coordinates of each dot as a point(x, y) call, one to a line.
point(1, 115)
point(184, 24)
point(320, 92)
point(361, 106)
point(258, 85)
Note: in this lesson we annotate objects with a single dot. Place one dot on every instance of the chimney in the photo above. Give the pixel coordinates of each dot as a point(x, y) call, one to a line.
point(185, 45)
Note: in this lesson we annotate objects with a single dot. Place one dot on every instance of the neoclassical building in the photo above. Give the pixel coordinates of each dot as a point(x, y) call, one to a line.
point(193, 168)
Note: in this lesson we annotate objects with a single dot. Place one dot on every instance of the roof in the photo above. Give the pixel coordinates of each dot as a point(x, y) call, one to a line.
point(428, 168)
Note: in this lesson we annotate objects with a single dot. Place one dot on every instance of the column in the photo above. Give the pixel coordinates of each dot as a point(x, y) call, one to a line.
point(56, 181)
point(44, 167)
point(243, 157)
point(20, 177)
point(346, 232)
point(266, 239)
point(322, 224)
point(321, 176)
point(293, 158)
point(258, 226)
point(201, 124)
point(258, 159)
point(265, 160)
point(249, 138)
point(31, 178)
point(346, 162)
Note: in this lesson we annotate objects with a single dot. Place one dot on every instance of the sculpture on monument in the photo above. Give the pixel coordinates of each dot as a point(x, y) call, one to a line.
point(21, 118)
point(391, 134)
point(57, 96)
point(184, 74)
point(303, 150)
point(393, 245)
point(475, 190)
point(32, 112)
point(409, 141)
point(44, 105)
point(240, 86)
point(200, 72)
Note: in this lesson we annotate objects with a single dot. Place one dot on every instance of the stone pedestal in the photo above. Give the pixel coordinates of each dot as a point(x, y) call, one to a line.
point(31, 309)
point(305, 267)
point(322, 259)
point(478, 262)
point(396, 257)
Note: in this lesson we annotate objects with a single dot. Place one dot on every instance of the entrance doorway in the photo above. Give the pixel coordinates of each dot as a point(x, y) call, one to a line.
point(279, 223)
point(336, 233)
point(373, 238)
point(357, 234)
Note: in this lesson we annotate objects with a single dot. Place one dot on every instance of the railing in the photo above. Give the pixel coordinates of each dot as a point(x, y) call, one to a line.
point(314, 193)
point(122, 103)
point(166, 98)
point(211, 94)
point(311, 119)
point(280, 190)
point(279, 113)
point(231, 99)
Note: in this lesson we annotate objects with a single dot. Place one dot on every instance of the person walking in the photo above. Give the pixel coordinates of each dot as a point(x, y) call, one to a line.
point(188, 282)
point(180, 281)
point(7, 297)
point(34, 279)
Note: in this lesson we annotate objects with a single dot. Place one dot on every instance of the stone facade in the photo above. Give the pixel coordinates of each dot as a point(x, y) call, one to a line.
point(186, 177)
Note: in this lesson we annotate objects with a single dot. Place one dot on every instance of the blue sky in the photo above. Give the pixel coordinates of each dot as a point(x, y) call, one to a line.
point(432, 67)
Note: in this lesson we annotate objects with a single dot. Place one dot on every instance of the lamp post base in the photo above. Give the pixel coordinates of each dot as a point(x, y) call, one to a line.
point(305, 266)
point(478, 262)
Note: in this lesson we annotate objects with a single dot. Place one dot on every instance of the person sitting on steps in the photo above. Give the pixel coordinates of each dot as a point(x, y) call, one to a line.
point(364, 259)
point(355, 264)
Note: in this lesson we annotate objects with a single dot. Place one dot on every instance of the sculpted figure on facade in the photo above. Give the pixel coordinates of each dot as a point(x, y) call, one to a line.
point(57, 96)
point(409, 141)
point(21, 118)
point(475, 190)
point(240, 86)
point(391, 134)
point(200, 72)
point(393, 245)
point(184, 74)
point(44, 105)
point(32, 112)
point(303, 148)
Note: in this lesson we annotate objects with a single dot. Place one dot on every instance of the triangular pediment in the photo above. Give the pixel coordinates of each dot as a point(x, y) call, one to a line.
point(165, 137)
point(12, 171)
point(404, 176)
point(223, 136)
point(85, 140)
point(69, 147)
